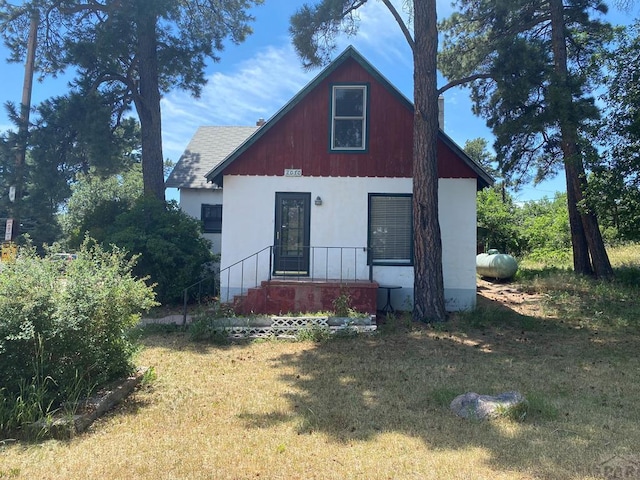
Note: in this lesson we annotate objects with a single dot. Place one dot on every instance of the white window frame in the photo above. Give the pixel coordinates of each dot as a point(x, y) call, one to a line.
point(361, 118)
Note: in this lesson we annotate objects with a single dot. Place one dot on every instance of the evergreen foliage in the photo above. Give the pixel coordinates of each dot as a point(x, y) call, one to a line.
point(133, 51)
point(71, 135)
point(614, 187)
point(97, 201)
point(168, 243)
point(532, 70)
point(170, 247)
point(519, 95)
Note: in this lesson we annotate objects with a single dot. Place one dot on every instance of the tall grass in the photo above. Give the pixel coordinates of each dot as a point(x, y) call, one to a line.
point(585, 301)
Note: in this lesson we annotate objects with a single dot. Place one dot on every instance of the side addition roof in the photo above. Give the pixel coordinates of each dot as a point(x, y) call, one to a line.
point(208, 147)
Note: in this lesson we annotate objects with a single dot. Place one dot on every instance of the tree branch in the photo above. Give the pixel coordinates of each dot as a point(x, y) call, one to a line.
point(83, 7)
point(461, 81)
point(108, 77)
point(403, 26)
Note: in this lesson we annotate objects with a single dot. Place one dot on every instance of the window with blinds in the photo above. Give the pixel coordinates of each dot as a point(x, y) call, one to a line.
point(390, 229)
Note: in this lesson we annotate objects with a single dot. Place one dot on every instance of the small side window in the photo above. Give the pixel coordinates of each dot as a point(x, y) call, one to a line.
point(211, 217)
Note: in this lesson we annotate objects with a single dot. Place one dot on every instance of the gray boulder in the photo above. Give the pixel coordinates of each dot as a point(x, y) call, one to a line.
point(482, 407)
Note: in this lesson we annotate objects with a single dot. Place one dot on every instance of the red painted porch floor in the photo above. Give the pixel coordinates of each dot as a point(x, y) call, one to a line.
point(285, 295)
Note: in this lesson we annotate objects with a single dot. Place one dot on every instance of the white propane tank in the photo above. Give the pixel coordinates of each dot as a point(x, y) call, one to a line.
point(494, 264)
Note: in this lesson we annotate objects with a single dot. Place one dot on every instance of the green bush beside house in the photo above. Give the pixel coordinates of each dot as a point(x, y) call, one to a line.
point(65, 328)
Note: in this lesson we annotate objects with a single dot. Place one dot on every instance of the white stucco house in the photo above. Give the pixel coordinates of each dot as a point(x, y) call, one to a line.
point(321, 193)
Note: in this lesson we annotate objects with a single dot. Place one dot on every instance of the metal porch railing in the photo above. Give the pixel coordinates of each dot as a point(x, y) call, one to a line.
point(325, 263)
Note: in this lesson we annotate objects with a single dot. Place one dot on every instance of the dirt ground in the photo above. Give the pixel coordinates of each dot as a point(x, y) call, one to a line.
point(507, 294)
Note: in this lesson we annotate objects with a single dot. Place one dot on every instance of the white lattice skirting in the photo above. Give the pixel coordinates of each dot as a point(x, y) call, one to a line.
point(277, 326)
point(288, 327)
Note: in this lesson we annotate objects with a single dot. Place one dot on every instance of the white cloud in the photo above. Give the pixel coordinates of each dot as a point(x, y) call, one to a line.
point(255, 88)
point(380, 35)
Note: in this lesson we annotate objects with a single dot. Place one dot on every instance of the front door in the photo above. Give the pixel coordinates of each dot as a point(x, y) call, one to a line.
point(291, 251)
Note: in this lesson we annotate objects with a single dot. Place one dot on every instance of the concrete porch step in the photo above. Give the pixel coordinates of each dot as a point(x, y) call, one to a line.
point(295, 295)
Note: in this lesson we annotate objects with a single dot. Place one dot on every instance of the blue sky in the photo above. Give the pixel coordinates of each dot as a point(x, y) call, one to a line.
point(255, 79)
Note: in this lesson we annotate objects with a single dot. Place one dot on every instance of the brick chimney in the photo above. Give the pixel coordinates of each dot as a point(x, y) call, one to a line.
point(261, 121)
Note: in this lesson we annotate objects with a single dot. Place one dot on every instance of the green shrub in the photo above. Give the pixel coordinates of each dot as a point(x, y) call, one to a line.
point(498, 221)
point(208, 329)
point(64, 327)
point(342, 304)
point(545, 226)
point(315, 333)
point(171, 249)
point(556, 257)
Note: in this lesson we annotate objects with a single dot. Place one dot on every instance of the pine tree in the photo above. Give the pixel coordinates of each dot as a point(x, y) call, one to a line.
point(534, 75)
point(133, 50)
point(314, 30)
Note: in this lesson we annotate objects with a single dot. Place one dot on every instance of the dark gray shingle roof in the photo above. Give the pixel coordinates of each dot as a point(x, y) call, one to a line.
point(208, 147)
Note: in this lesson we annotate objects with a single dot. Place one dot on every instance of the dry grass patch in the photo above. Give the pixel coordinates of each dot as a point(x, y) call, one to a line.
point(582, 302)
point(628, 255)
point(377, 407)
point(366, 407)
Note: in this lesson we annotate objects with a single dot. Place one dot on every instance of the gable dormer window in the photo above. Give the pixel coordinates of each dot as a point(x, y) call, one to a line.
point(349, 117)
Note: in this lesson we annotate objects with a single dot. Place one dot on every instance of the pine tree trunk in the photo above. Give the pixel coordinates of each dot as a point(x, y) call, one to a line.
point(581, 259)
point(148, 106)
point(428, 280)
point(599, 257)
point(590, 254)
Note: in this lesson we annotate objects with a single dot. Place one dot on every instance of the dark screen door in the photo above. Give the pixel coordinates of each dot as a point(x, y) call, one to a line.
point(291, 252)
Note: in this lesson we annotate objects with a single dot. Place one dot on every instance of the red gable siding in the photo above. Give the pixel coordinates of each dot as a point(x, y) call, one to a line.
point(300, 138)
point(450, 165)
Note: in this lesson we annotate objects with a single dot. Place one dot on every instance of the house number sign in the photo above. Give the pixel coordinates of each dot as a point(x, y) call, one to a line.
point(292, 172)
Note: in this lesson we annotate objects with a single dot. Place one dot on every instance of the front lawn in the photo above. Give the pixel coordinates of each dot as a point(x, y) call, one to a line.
point(377, 406)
